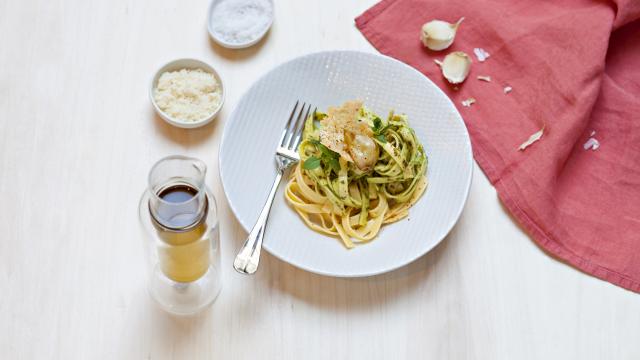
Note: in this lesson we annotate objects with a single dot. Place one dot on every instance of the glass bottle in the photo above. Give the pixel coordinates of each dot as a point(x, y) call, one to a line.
point(179, 218)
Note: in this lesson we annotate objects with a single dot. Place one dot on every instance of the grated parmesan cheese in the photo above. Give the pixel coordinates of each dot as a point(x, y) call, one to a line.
point(188, 95)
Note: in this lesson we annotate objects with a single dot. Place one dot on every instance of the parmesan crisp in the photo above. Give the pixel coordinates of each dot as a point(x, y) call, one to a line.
point(340, 122)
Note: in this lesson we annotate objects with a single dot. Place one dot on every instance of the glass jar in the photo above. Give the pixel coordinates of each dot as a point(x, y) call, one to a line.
point(178, 216)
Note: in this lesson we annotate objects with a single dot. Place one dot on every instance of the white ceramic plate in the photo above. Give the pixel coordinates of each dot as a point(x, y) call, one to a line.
point(247, 166)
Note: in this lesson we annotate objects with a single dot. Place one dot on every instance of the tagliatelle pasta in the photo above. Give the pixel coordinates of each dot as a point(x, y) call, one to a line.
point(376, 177)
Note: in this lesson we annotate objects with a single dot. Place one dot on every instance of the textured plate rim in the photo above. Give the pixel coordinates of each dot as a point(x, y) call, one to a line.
point(419, 254)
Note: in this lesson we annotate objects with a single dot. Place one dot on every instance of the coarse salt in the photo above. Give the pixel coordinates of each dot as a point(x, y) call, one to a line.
point(239, 22)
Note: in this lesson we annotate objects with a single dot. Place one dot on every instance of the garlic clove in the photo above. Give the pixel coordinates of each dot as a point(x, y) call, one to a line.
point(439, 35)
point(455, 66)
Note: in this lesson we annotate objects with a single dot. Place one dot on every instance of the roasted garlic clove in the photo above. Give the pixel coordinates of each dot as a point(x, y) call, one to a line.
point(455, 66)
point(364, 152)
point(439, 35)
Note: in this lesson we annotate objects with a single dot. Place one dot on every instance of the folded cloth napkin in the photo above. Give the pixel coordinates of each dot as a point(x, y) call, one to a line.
point(574, 67)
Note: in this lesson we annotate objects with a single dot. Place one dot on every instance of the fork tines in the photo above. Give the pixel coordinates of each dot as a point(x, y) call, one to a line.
point(292, 131)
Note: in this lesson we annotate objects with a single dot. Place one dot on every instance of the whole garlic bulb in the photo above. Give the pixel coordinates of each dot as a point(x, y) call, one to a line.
point(455, 66)
point(439, 35)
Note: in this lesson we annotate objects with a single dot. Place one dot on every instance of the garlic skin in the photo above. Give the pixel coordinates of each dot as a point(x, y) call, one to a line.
point(533, 138)
point(468, 102)
point(455, 66)
point(592, 144)
point(438, 35)
point(481, 54)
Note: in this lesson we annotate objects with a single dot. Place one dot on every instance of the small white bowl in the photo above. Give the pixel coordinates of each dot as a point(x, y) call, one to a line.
point(186, 64)
point(229, 45)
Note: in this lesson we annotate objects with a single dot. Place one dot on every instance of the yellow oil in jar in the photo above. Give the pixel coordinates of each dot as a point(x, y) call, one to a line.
point(184, 254)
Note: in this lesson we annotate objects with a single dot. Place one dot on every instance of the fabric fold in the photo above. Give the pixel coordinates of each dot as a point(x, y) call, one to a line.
point(573, 67)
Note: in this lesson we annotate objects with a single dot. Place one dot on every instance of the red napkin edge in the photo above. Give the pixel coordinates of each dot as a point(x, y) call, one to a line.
point(364, 18)
point(542, 239)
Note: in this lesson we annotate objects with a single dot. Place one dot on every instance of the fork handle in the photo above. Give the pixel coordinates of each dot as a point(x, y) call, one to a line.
point(248, 257)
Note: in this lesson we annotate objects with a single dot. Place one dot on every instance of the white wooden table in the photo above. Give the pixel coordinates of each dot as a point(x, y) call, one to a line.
point(77, 138)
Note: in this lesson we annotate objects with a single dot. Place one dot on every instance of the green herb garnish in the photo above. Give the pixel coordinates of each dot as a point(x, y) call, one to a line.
point(379, 130)
point(328, 157)
point(377, 125)
point(311, 163)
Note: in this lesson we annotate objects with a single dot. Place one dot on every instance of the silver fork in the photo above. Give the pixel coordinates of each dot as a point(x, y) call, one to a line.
point(248, 257)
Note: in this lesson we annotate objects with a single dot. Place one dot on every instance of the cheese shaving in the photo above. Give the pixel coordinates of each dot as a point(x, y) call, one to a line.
point(341, 121)
point(507, 89)
point(486, 78)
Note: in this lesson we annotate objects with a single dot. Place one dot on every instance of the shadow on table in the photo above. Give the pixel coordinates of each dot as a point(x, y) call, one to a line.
point(238, 54)
point(524, 232)
point(425, 275)
point(341, 294)
point(169, 334)
point(180, 136)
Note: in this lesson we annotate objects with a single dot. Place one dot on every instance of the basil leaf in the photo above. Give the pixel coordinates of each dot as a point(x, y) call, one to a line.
point(377, 124)
point(384, 129)
point(381, 138)
point(329, 157)
point(325, 150)
point(311, 163)
point(332, 163)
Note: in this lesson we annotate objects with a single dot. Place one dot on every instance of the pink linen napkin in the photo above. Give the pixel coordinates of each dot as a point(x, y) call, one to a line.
point(574, 67)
